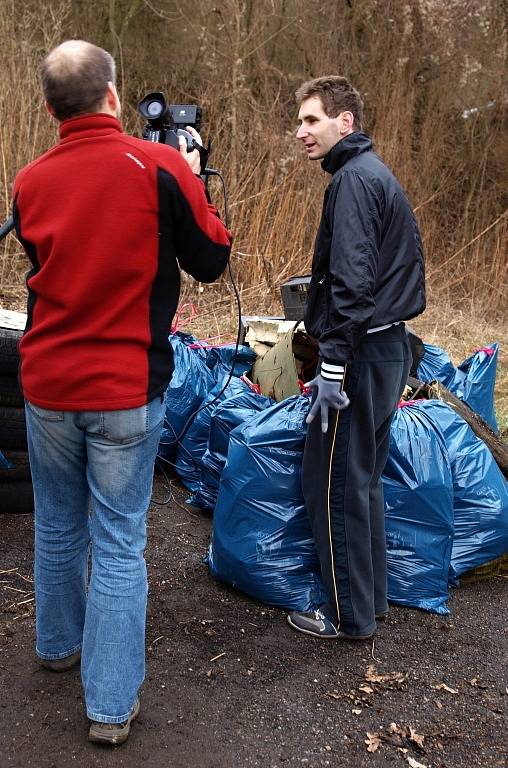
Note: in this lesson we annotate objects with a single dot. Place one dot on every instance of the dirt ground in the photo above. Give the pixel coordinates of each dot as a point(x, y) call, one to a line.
point(230, 684)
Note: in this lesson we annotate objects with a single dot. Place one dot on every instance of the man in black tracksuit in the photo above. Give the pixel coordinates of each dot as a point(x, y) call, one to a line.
point(367, 278)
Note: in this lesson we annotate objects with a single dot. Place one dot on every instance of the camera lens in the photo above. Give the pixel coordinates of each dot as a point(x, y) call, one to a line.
point(154, 108)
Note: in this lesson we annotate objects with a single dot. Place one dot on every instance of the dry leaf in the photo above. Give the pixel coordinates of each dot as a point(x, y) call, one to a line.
point(356, 711)
point(366, 689)
point(372, 676)
point(438, 704)
point(373, 742)
point(416, 737)
point(414, 763)
point(389, 680)
point(475, 682)
point(444, 687)
point(332, 694)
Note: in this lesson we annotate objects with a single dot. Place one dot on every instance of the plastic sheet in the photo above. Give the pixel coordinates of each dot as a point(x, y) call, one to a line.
point(419, 511)
point(228, 415)
point(193, 444)
point(262, 543)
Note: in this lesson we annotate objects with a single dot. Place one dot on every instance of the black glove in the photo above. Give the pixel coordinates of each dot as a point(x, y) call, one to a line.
point(330, 394)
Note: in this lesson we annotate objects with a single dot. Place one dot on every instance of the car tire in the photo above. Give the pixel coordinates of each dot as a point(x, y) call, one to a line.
point(13, 429)
point(10, 393)
point(16, 497)
point(9, 355)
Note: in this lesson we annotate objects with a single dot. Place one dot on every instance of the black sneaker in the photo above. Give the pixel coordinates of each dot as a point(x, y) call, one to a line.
point(313, 623)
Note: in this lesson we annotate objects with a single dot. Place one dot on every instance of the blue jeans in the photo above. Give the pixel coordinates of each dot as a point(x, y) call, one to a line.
point(92, 474)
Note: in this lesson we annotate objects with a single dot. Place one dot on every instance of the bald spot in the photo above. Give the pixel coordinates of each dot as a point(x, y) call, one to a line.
point(67, 58)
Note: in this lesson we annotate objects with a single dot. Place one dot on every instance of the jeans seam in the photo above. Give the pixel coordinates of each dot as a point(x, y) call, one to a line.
point(97, 718)
point(57, 656)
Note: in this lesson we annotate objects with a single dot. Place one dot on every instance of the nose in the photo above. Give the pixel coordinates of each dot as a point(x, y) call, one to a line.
point(301, 132)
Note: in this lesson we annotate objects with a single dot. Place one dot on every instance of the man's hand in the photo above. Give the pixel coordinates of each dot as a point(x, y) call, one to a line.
point(192, 158)
point(329, 395)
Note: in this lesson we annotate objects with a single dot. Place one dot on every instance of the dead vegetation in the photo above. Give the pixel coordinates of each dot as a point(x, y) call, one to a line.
point(432, 74)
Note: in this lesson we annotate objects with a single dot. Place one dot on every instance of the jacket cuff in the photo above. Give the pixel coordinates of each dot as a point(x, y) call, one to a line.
point(333, 370)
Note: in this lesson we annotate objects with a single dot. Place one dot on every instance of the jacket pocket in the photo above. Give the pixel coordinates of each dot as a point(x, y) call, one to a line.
point(316, 310)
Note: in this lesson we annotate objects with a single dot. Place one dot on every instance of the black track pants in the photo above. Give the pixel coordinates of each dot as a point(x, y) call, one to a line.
point(342, 487)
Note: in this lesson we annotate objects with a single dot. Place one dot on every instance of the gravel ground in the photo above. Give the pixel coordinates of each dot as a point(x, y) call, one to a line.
point(230, 684)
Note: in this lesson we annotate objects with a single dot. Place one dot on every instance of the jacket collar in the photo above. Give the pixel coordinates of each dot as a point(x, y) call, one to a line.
point(354, 144)
point(85, 126)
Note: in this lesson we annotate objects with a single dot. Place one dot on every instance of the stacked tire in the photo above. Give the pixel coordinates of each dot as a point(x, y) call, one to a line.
point(16, 493)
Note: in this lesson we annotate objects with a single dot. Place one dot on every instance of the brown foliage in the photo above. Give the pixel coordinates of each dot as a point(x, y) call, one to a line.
point(419, 64)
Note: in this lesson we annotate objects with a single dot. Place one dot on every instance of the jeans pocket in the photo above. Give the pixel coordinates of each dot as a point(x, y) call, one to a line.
point(44, 413)
point(131, 424)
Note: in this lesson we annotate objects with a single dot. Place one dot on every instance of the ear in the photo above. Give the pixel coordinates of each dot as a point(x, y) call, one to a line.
point(111, 95)
point(346, 122)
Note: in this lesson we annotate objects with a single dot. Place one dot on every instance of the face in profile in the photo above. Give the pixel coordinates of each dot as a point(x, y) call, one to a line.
point(318, 132)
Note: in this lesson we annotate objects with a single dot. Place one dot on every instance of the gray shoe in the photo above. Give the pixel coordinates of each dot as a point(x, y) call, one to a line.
point(312, 623)
point(61, 665)
point(113, 733)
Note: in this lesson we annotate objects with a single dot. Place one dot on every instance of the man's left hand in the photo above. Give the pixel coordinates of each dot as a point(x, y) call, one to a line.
point(329, 396)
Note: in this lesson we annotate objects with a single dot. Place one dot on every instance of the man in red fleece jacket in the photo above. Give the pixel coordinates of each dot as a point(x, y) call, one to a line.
point(106, 221)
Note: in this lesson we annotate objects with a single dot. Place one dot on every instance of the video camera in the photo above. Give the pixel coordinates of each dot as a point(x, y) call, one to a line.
point(167, 122)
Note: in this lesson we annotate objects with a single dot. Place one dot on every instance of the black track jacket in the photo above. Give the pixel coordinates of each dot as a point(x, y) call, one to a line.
point(368, 267)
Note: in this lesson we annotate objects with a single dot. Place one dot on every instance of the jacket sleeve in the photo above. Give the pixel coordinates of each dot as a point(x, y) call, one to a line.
point(203, 244)
point(354, 219)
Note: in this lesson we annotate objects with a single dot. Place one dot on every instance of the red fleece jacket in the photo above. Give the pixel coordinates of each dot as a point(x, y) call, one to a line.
point(106, 220)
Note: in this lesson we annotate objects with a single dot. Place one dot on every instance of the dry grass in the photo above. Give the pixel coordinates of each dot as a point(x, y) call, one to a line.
point(419, 65)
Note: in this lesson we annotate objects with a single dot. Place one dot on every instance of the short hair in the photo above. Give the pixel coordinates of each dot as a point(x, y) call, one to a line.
point(337, 95)
point(75, 77)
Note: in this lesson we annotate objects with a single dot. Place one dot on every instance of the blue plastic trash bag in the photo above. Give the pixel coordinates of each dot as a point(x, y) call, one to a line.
point(476, 379)
point(436, 365)
point(473, 381)
point(190, 384)
point(262, 543)
point(480, 493)
point(220, 359)
point(193, 444)
point(418, 494)
point(228, 415)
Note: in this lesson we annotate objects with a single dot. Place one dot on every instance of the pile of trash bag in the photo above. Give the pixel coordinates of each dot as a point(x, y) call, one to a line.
point(446, 499)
